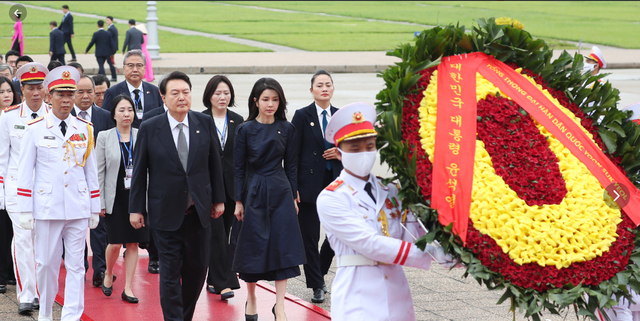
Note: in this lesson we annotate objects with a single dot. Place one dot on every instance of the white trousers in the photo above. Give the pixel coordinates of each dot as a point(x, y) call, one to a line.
point(49, 235)
point(24, 261)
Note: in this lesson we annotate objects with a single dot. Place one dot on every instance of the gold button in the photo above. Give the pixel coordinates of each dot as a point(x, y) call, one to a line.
point(65, 172)
point(40, 191)
point(365, 216)
point(386, 277)
point(48, 145)
point(65, 185)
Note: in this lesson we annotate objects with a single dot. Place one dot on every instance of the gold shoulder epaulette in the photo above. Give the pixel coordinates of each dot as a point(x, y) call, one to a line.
point(334, 185)
point(31, 122)
point(14, 107)
point(84, 121)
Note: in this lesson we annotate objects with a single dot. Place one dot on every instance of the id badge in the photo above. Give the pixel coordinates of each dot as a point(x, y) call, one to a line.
point(139, 113)
point(128, 171)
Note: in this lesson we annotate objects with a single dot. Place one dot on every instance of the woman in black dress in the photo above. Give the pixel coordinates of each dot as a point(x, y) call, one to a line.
point(269, 245)
point(114, 155)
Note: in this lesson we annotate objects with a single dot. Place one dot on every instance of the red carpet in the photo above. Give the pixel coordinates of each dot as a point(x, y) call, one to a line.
point(145, 286)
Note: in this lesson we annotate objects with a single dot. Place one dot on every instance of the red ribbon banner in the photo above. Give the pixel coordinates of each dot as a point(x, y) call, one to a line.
point(457, 97)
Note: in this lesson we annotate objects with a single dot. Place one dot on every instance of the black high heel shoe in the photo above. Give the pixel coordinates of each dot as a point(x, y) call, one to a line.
point(253, 317)
point(107, 290)
point(273, 310)
point(130, 299)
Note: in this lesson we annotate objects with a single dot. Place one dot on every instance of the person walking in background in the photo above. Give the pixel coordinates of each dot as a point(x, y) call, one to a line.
point(318, 166)
point(67, 27)
point(13, 124)
point(218, 97)
point(102, 40)
point(114, 152)
point(17, 39)
point(102, 84)
point(178, 155)
point(133, 39)
point(148, 75)
point(56, 43)
point(269, 246)
point(113, 31)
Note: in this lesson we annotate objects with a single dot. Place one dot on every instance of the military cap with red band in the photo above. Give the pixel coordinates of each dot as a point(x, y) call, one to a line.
point(32, 73)
point(353, 121)
point(596, 55)
point(63, 78)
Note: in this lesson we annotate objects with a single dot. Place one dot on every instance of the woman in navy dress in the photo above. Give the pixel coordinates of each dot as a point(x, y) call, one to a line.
point(269, 245)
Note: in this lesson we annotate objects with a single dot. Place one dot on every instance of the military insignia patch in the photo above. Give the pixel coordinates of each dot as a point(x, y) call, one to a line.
point(18, 127)
point(334, 185)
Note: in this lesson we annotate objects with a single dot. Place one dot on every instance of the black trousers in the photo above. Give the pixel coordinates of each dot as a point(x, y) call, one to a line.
point(59, 58)
point(98, 240)
point(67, 40)
point(220, 275)
point(101, 61)
point(6, 260)
point(184, 254)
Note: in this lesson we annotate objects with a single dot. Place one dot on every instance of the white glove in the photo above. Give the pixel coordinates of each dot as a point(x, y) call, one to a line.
point(26, 220)
point(94, 220)
point(444, 259)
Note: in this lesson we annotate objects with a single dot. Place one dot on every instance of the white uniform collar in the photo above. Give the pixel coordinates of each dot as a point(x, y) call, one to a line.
point(25, 111)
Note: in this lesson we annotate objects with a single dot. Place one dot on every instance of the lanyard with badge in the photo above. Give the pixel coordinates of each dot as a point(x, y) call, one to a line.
point(138, 102)
point(128, 162)
point(223, 134)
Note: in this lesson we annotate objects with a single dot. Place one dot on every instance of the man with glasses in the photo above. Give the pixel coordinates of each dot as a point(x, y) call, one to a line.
point(145, 95)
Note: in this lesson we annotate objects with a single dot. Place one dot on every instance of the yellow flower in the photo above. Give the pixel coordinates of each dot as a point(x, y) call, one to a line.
point(510, 22)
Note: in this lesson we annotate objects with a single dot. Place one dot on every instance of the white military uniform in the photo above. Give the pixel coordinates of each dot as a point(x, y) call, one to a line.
point(62, 195)
point(370, 283)
point(13, 124)
point(624, 310)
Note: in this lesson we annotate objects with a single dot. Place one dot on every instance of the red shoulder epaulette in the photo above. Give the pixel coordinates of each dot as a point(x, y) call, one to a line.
point(31, 122)
point(334, 185)
point(14, 107)
point(84, 121)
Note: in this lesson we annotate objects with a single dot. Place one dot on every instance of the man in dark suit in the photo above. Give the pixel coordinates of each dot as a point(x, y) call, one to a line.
point(56, 43)
point(133, 39)
point(113, 31)
point(67, 27)
point(180, 155)
point(145, 96)
point(104, 49)
point(317, 168)
point(101, 119)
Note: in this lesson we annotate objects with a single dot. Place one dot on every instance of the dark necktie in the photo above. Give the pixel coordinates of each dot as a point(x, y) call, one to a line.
point(324, 130)
point(367, 188)
point(136, 93)
point(34, 115)
point(63, 128)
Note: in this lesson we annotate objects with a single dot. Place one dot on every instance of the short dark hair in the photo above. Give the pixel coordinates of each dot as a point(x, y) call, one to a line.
point(318, 73)
point(100, 79)
point(53, 23)
point(132, 22)
point(211, 88)
point(110, 18)
point(77, 66)
point(13, 89)
point(11, 53)
point(174, 75)
point(261, 85)
point(65, 6)
point(54, 64)
point(116, 100)
point(101, 23)
point(24, 58)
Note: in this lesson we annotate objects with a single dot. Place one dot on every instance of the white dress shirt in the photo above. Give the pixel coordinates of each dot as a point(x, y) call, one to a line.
point(175, 131)
point(319, 110)
point(78, 110)
point(133, 96)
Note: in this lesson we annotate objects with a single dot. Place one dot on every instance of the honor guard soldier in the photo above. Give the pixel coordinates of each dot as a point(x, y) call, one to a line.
point(366, 227)
point(13, 124)
point(58, 193)
point(594, 61)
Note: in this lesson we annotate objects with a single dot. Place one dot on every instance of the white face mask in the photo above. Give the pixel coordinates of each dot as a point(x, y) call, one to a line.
point(588, 67)
point(360, 163)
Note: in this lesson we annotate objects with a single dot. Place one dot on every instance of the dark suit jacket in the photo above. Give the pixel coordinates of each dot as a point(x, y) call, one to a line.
point(233, 121)
point(133, 39)
point(152, 98)
point(156, 152)
point(113, 31)
point(100, 118)
point(311, 164)
point(102, 40)
point(67, 25)
point(153, 113)
point(56, 42)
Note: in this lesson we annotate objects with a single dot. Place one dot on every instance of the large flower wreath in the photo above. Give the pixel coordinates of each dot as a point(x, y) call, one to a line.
point(541, 227)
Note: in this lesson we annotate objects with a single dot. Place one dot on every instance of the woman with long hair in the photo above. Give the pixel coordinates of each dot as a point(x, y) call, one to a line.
point(269, 245)
point(8, 97)
point(16, 40)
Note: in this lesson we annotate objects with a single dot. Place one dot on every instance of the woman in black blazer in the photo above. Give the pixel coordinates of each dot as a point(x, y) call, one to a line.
point(218, 96)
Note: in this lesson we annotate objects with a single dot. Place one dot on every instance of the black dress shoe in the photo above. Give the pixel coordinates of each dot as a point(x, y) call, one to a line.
point(36, 304)
point(25, 309)
point(324, 288)
point(318, 295)
point(247, 317)
point(97, 279)
point(130, 299)
point(3, 289)
point(154, 267)
point(108, 290)
point(11, 282)
point(227, 295)
point(211, 289)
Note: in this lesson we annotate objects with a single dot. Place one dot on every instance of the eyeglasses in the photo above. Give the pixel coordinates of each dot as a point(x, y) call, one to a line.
point(132, 66)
